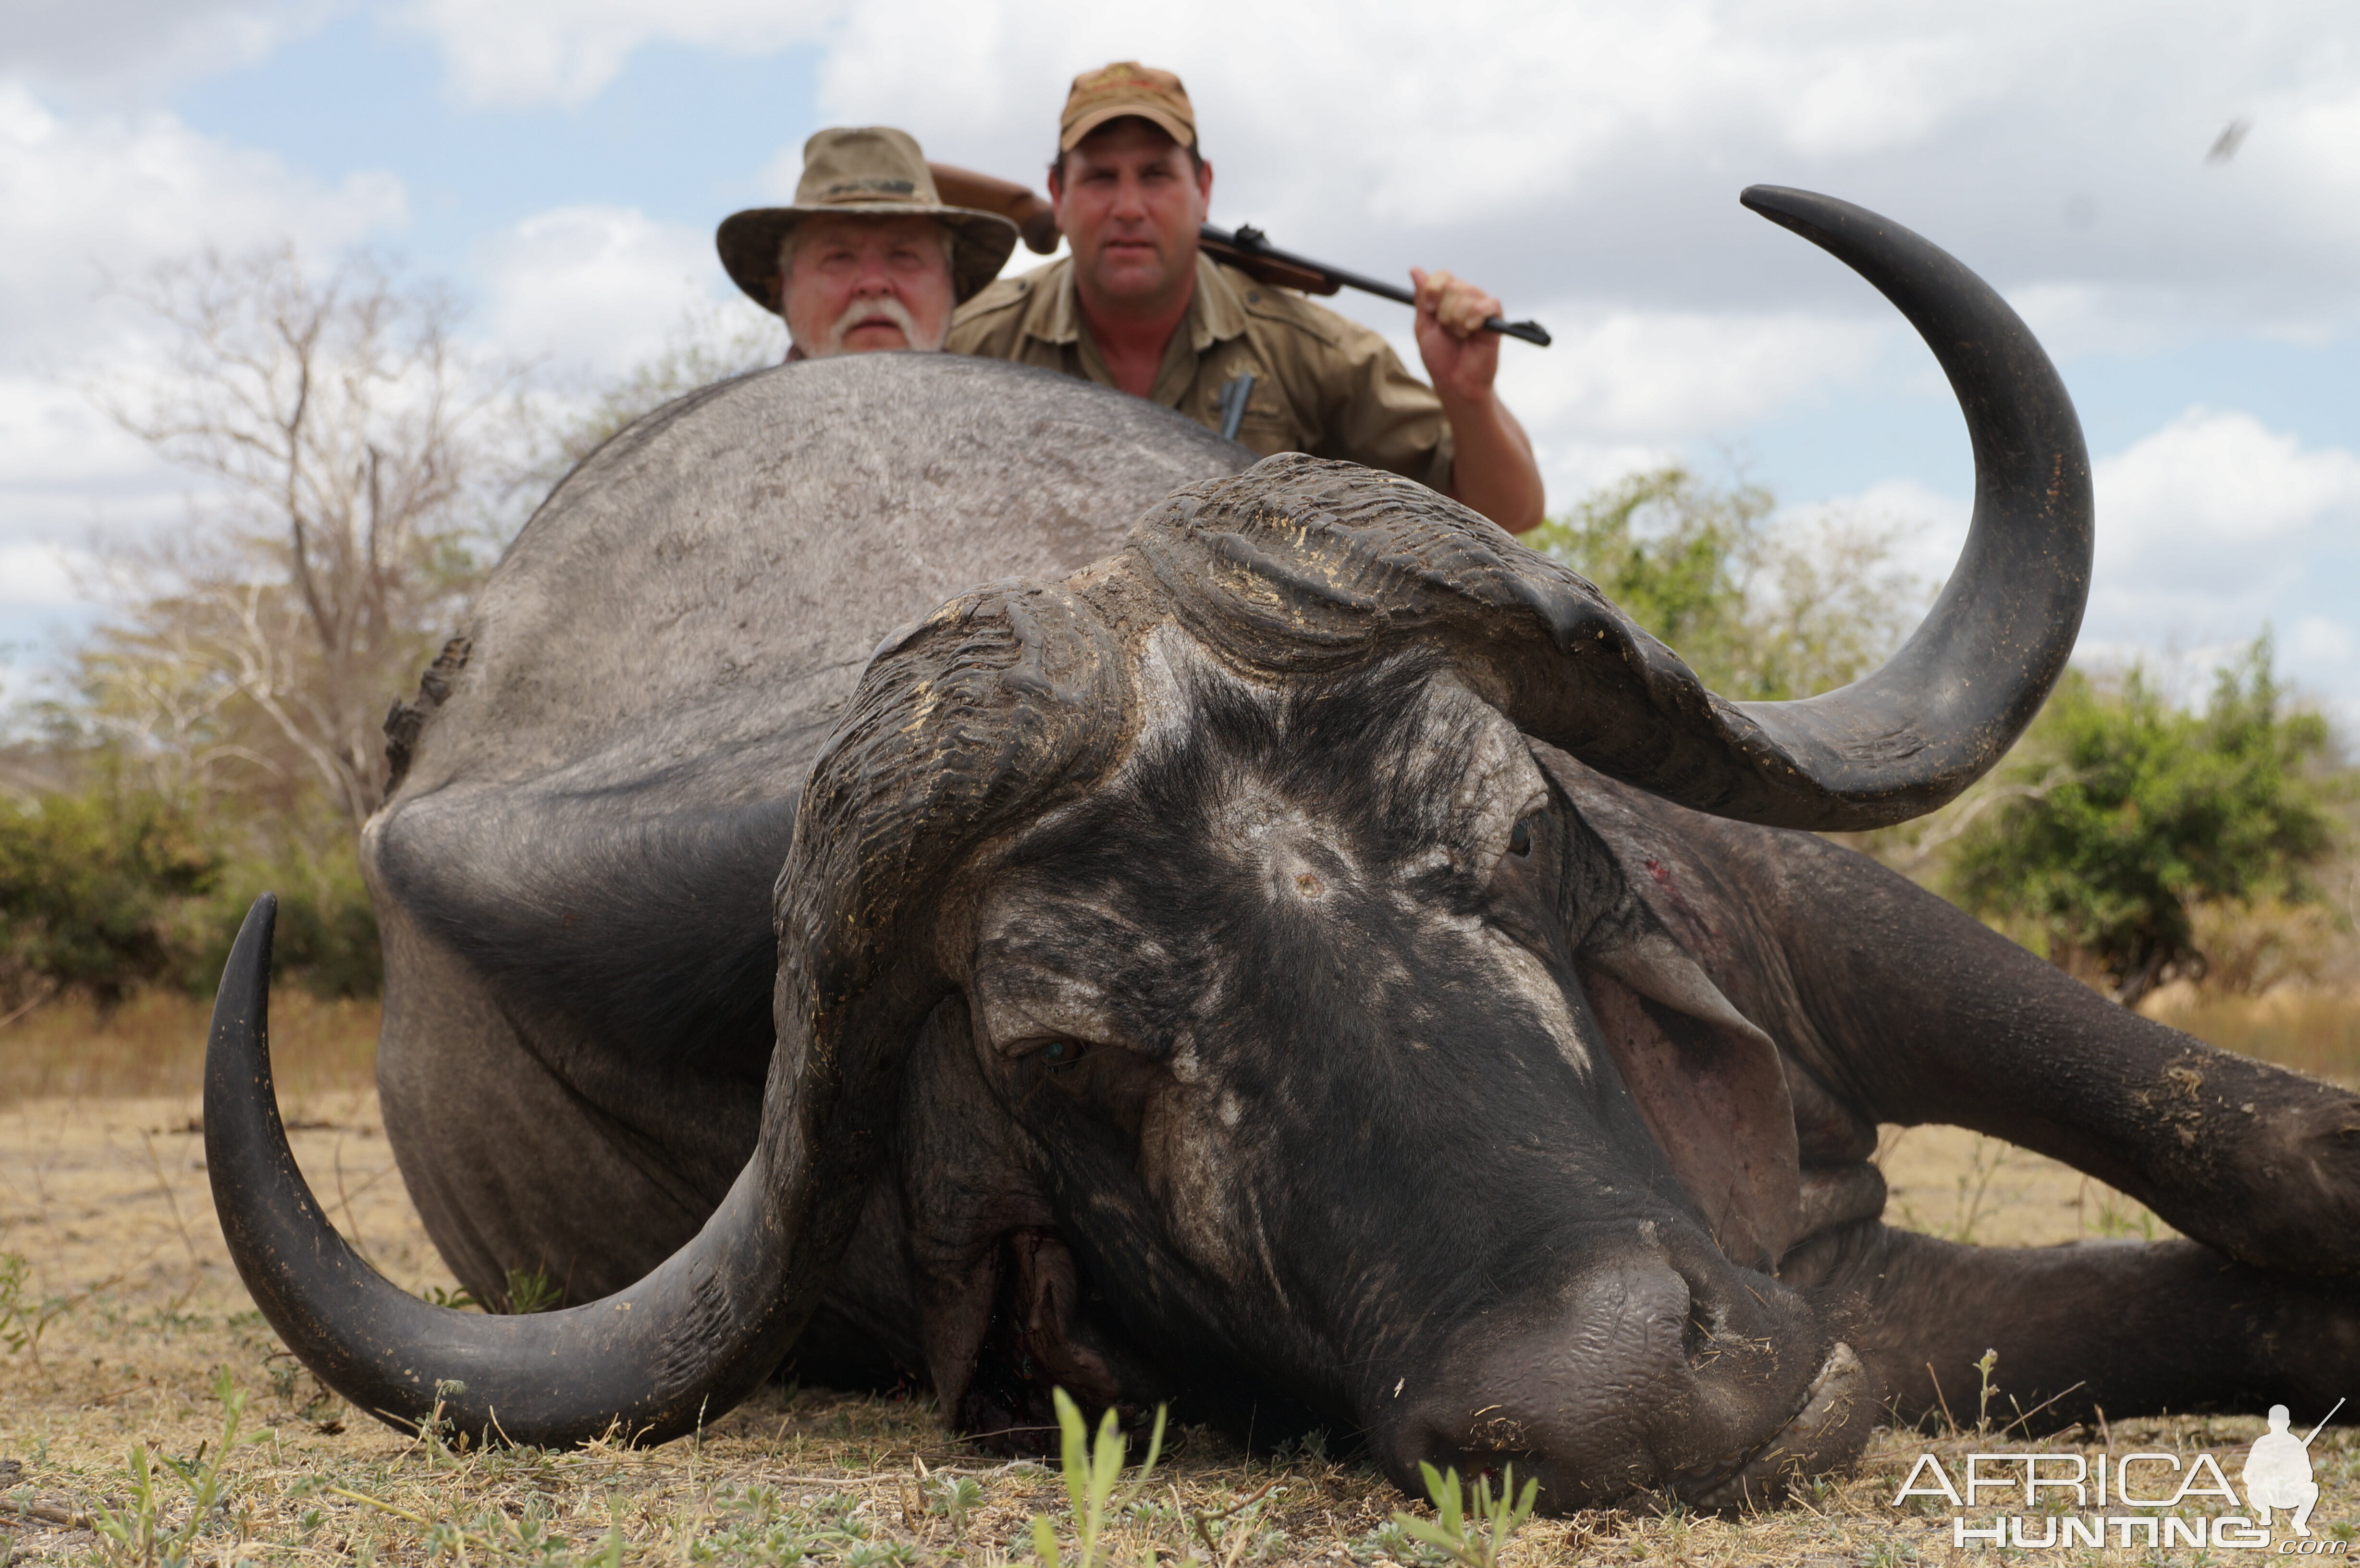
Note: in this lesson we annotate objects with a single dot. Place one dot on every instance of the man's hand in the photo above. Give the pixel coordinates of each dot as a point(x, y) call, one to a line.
point(1461, 358)
point(1493, 468)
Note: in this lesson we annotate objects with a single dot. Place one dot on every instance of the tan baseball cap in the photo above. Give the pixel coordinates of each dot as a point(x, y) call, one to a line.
point(1126, 87)
point(864, 171)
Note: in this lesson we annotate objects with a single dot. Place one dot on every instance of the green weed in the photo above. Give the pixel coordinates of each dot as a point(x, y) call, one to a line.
point(1974, 1194)
point(23, 1317)
point(1474, 1540)
point(533, 1293)
point(527, 1291)
point(2116, 1222)
point(1091, 1473)
point(1237, 1530)
point(954, 1497)
point(136, 1531)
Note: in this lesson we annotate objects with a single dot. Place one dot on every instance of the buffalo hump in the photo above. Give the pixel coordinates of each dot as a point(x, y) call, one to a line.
point(602, 800)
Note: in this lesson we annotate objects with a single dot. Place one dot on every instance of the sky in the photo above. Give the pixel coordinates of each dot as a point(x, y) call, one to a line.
point(2168, 192)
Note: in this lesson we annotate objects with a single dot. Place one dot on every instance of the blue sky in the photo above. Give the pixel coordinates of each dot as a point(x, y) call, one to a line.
point(682, 135)
point(563, 164)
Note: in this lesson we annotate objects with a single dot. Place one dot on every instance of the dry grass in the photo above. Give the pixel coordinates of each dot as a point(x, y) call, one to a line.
point(140, 1313)
point(155, 1044)
point(2315, 1031)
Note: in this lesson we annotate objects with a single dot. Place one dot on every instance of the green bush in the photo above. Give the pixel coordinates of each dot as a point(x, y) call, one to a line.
point(112, 887)
point(2129, 814)
point(91, 884)
point(326, 935)
point(1760, 610)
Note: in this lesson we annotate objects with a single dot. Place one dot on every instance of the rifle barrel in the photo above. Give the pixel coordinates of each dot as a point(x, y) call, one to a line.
point(1250, 242)
point(2323, 1423)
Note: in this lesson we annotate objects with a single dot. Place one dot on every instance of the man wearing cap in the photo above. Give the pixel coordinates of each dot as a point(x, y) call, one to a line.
point(1137, 307)
point(868, 257)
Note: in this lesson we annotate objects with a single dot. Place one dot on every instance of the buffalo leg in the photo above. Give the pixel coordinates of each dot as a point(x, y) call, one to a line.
point(1912, 1012)
point(2122, 1327)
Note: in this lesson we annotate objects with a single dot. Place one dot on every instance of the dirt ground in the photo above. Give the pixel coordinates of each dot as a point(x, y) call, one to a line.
point(134, 1336)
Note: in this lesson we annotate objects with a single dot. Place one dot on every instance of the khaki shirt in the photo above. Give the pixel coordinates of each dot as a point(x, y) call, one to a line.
point(1322, 385)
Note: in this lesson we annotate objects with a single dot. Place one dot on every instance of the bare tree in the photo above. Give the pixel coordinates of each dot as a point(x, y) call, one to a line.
point(347, 439)
point(711, 342)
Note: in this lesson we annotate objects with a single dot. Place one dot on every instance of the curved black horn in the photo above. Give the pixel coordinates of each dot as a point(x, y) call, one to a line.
point(703, 1329)
point(1299, 561)
point(963, 721)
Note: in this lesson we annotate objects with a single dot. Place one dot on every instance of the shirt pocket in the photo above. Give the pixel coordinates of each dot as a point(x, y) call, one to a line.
point(1268, 425)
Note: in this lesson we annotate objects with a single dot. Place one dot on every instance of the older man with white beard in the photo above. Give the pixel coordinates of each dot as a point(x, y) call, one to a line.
point(868, 258)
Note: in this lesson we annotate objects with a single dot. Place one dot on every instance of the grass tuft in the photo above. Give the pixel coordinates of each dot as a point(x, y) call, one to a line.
point(1473, 1538)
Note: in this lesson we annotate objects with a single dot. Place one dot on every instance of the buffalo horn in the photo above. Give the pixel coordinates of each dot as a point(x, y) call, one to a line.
point(1299, 563)
point(963, 723)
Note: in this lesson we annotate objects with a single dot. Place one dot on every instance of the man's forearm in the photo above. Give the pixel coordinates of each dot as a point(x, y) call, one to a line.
point(1491, 467)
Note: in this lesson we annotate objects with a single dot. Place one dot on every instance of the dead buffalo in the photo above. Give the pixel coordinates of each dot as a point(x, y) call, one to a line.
point(1310, 960)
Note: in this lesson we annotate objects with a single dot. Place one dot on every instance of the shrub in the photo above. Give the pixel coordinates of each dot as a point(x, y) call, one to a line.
point(110, 887)
point(90, 883)
point(2135, 814)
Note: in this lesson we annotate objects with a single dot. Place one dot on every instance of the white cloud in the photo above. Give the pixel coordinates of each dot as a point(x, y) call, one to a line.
point(104, 196)
point(2212, 487)
point(1595, 149)
point(512, 52)
point(2212, 529)
point(99, 196)
point(52, 439)
point(1605, 143)
point(1926, 527)
point(1667, 375)
point(117, 48)
point(597, 289)
point(41, 575)
point(2318, 640)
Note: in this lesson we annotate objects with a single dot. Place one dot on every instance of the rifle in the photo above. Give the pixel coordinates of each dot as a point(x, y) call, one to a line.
point(1247, 248)
point(1032, 215)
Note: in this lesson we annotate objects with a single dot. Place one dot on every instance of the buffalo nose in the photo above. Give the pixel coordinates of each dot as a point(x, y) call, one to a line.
point(1657, 1371)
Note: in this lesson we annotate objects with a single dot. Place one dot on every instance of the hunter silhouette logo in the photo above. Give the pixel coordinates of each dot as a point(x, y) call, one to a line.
point(2125, 1497)
point(2278, 1472)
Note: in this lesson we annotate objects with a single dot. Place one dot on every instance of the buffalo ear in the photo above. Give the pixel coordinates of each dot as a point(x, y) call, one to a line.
point(1650, 962)
point(1715, 1098)
point(1707, 1082)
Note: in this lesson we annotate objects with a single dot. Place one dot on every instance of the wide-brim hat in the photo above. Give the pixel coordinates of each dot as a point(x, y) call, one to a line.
point(865, 171)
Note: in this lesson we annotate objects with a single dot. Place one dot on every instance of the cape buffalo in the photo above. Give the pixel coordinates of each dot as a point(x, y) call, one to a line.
point(1309, 960)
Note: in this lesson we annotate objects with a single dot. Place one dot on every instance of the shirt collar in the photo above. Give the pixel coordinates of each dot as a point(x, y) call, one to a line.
point(1215, 314)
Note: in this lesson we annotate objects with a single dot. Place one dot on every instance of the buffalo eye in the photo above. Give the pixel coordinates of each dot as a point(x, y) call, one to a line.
point(1059, 1054)
point(1520, 839)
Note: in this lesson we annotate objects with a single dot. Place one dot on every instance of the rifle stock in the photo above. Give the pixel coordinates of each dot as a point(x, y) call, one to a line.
point(1031, 216)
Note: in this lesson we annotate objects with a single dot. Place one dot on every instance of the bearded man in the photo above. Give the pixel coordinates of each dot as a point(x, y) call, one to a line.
point(868, 258)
